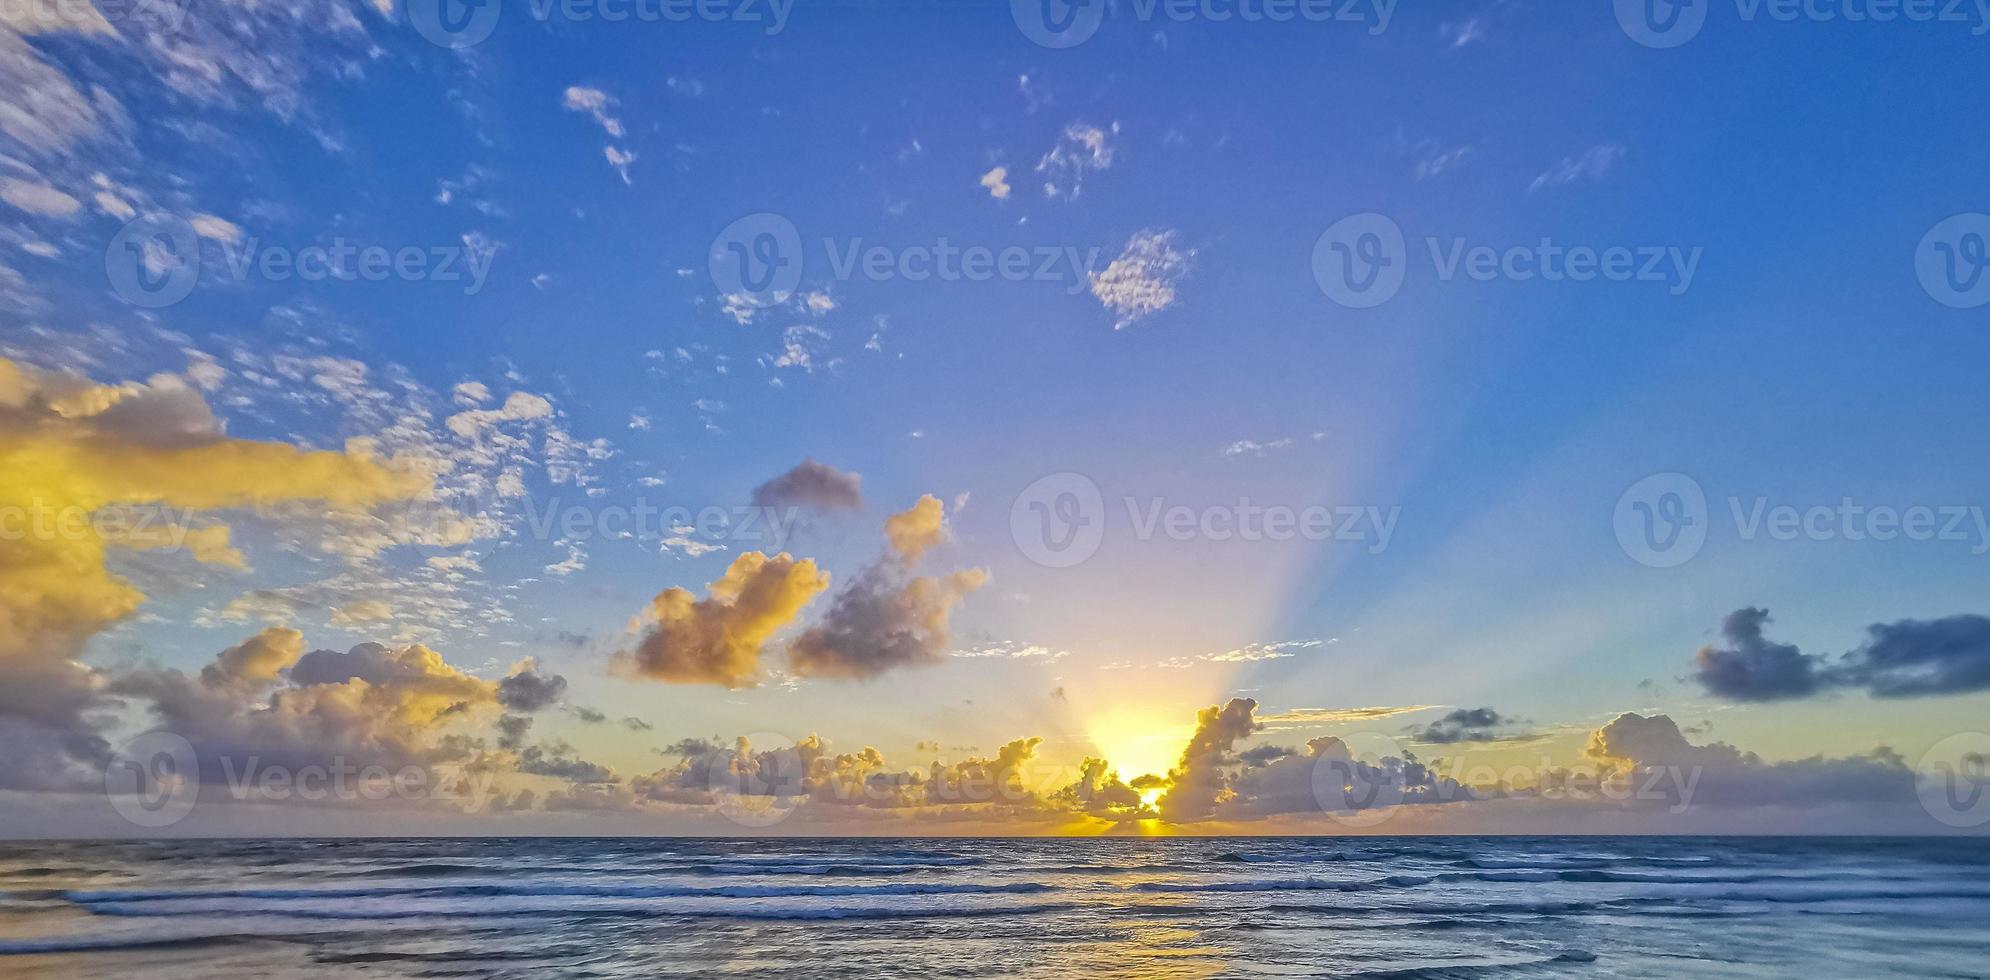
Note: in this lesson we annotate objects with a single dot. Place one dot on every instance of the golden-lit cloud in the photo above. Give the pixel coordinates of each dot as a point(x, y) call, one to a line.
point(261, 703)
point(718, 639)
point(888, 618)
point(918, 529)
point(88, 469)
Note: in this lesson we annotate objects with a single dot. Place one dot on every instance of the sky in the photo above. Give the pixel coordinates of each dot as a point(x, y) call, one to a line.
point(906, 418)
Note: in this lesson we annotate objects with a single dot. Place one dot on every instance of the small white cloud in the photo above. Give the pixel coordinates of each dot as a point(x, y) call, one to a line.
point(594, 102)
point(1141, 282)
point(35, 197)
point(576, 560)
point(1593, 164)
point(218, 229)
point(739, 307)
point(997, 182)
point(1251, 447)
point(114, 206)
point(639, 422)
point(620, 160)
point(1461, 33)
point(471, 393)
point(679, 544)
point(1083, 149)
point(520, 406)
point(1435, 166)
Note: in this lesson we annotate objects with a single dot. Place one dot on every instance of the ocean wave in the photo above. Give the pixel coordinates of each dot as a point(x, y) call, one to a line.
point(517, 907)
point(90, 898)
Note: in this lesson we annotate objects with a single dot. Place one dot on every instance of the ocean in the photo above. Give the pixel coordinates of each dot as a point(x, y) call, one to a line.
point(1137, 907)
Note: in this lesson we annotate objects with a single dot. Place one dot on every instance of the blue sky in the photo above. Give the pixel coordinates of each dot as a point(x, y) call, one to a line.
point(1498, 423)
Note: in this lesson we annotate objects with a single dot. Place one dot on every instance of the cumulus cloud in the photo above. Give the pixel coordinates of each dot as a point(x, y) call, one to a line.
point(373, 705)
point(888, 617)
point(997, 183)
point(807, 774)
point(816, 486)
point(1141, 282)
point(68, 445)
point(918, 529)
point(1751, 668)
point(257, 662)
point(1650, 753)
point(1100, 791)
point(1201, 780)
point(529, 689)
point(883, 621)
point(718, 639)
point(1914, 658)
point(556, 760)
point(1902, 659)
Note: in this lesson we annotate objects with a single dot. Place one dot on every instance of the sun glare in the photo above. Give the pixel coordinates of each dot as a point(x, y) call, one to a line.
point(1138, 743)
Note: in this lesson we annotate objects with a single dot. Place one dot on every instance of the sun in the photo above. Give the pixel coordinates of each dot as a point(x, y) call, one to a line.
point(1138, 742)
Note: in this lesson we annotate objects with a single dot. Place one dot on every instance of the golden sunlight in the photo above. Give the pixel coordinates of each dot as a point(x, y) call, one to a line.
point(1138, 741)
